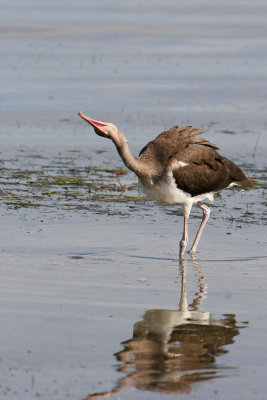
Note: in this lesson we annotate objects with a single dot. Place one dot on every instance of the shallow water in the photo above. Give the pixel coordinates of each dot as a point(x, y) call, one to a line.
point(93, 298)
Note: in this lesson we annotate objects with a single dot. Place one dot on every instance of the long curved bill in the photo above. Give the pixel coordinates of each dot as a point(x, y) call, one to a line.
point(95, 124)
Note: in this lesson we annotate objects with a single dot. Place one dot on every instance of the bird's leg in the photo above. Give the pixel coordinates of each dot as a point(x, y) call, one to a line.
point(184, 239)
point(206, 214)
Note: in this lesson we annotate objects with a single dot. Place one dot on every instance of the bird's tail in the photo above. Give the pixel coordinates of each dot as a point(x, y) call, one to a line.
point(246, 183)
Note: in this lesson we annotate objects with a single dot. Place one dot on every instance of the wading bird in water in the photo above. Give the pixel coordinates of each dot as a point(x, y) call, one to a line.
point(177, 167)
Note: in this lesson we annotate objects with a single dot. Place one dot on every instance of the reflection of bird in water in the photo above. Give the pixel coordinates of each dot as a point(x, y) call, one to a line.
point(171, 350)
point(177, 167)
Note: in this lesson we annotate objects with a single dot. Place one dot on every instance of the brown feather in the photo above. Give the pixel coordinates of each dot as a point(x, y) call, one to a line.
point(207, 171)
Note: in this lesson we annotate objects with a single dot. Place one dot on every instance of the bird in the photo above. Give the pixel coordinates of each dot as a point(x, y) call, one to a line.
point(177, 167)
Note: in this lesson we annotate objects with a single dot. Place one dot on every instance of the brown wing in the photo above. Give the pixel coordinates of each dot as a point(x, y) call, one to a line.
point(169, 143)
point(207, 171)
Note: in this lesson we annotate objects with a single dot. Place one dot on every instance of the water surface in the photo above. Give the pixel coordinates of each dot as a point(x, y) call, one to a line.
point(93, 299)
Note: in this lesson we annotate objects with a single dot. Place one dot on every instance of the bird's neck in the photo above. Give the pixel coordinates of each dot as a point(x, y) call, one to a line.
point(124, 151)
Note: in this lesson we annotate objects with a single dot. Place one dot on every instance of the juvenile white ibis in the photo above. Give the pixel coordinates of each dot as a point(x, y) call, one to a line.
point(177, 167)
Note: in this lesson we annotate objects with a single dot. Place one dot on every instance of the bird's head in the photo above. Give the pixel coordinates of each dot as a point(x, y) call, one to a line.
point(105, 129)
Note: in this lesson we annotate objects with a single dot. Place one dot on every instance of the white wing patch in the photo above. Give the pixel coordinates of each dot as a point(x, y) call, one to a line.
point(181, 164)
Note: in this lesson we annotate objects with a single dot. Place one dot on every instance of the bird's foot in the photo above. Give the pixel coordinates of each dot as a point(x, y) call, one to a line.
point(192, 252)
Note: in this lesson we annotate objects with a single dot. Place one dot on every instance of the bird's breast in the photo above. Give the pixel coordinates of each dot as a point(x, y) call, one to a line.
point(163, 191)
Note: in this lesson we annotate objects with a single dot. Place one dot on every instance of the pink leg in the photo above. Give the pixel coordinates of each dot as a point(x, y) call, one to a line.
point(206, 214)
point(184, 240)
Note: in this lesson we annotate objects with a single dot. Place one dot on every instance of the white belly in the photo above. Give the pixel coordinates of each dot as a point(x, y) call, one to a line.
point(168, 193)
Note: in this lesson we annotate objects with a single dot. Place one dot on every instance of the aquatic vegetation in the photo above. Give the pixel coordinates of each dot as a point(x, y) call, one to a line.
point(69, 183)
point(41, 187)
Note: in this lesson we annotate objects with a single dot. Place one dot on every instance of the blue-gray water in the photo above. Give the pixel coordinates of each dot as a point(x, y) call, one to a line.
point(82, 274)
